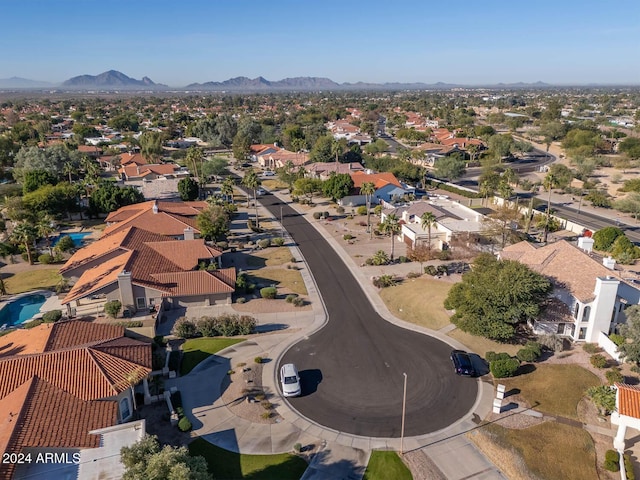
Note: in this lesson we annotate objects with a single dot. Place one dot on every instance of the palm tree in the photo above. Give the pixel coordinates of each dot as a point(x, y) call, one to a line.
point(195, 157)
point(550, 182)
point(68, 168)
point(24, 233)
point(45, 227)
point(252, 182)
point(368, 189)
point(227, 188)
point(428, 220)
point(392, 227)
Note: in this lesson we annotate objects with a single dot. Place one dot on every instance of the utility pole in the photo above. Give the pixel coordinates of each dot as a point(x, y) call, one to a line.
point(404, 404)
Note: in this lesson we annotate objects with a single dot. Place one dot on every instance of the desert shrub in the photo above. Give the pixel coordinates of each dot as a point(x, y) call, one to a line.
point(616, 338)
point(45, 259)
point(266, 415)
point(598, 361)
point(380, 258)
point(362, 223)
point(258, 359)
point(384, 281)
point(431, 270)
point(65, 244)
point(112, 308)
point(442, 269)
point(403, 259)
point(226, 325)
point(184, 424)
point(527, 355)
point(298, 302)
point(628, 467)
point(241, 300)
point(297, 447)
point(325, 214)
point(552, 342)
point(612, 461)
point(444, 255)
point(222, 245)
point(207, 326)
point(317, 215)
point(241, 281)
point(264, 242)
point(246, 325)
point(414, 274)
point(605, 237)
point(347, 236)
point(614, 376)
point(52, 316)
point(339, 210)
point(185, 328)
point(493, 356)
point(268, 292)
point(266, 404)
point(290, 298)
point(32, 323)
point(362, 210)
point(504, 368)
point(278, 241)
point(535, 346)
point(591, 348)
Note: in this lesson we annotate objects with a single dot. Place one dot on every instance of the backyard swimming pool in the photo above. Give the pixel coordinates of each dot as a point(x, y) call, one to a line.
point(21, 309)
point(77, 237)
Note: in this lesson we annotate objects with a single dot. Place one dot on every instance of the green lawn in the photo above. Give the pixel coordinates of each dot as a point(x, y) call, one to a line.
point(226, 465)
point(32, 280)
point(549, 450)
point(407, 301)
point(196, 350)
point(385, 465)
point(556, 389)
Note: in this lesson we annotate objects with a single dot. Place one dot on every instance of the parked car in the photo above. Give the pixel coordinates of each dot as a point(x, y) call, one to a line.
point(260, 191)
point(290, 380)
point(462, 363)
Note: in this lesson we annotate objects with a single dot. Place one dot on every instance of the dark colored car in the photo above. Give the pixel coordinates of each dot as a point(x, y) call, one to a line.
point(462, 363)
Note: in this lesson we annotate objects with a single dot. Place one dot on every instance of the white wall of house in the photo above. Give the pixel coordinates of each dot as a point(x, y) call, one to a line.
point(603, 306)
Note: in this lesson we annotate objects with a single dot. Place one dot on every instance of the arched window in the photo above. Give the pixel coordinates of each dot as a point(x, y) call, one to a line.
point(576, 310)
point(585, 313)
point(125, 411)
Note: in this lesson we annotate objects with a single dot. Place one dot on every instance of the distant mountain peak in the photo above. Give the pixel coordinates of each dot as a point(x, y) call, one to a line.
point(109, 79)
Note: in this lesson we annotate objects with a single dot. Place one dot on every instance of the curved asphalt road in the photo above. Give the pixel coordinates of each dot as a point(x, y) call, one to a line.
point(351, 370)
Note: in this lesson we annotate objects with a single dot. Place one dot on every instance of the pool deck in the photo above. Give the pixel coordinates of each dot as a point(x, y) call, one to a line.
point(52, 302)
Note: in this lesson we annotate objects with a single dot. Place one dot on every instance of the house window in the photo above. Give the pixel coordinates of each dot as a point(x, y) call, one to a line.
point(576, 310)
point(141, 303)
point(585, 313)
point(125, 411)
point(560, 329)
point(583, 333)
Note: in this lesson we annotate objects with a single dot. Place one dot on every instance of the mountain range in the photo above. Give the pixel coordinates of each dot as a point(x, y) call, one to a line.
point(114, 80)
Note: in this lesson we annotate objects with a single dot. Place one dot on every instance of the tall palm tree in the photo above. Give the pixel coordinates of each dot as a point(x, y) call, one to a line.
point(227, 188)
point(391, 226)
point(368, 189)
point(24, 233)
point(549, 182)
point(428, 220)
point(252, 182)
point(45, 227)
point(195, 159)
point(68, 168)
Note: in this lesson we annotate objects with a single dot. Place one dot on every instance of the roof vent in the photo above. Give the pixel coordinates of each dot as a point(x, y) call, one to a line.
point(155, 206)
point(609, 262)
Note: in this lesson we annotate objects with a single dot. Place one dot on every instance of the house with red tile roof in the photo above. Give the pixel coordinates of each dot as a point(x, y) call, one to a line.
point(133, 172)
point(59, 382)
point(148, 271)
point(590, 296)
point(279, 158)
point(626, 414)
point(343, 129)
point(323, 170)
point(387, 187)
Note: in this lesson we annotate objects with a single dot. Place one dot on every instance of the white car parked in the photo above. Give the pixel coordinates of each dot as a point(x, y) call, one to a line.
point(290, 380)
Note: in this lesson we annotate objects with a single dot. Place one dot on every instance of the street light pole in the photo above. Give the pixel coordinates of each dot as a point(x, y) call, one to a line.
point(281, 222)
point(404, 404)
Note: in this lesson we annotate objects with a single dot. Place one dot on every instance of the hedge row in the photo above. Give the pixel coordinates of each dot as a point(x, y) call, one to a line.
point(226, 325)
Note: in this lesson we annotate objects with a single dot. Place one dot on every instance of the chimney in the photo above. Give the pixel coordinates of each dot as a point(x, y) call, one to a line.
point(609, 262)
point(126, 290)
point(189, 234)
point(155, 206)
point(586, 244)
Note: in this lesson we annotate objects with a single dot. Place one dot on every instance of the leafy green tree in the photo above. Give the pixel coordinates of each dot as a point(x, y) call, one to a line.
point(108, 197)
point(82, 131)
point(288, 174)
point(227, 189)
point(214, 166)
point(624, 251)
point(65, 244)
point(552, 131)
point(603, 397)
point(307, 187)
point(34, 179)
point(391, 226)
point(112, 308)
point(213, 222)
point(629, 204)
point(337, 186)
point(127, 122)
point(500, 146)
point(188, 189)
point(45, 228)
point(145, 460)
point(496, 296)
point(631, 147)
point(151, 145)
point(630, 348)
point(604, 238)
point(51, 159)
point(322, 150)
point(562, 175)
point(451, 167)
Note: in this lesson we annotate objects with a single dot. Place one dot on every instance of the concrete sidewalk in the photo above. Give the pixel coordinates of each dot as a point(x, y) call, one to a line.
point(337, 454)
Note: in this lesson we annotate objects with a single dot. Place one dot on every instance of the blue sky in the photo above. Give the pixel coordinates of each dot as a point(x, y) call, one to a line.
point(469, 42)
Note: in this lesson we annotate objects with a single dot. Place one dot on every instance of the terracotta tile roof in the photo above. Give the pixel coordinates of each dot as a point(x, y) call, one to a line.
point(89, 372)
point(378, 179)
point(132, 171)
point(261, 147)
point(95, 250)
point(77, 332)
point(186, 209)
point(31, 419)
point(128, 157)
point(163, 223)
point(98, 277)
point(198, 282)
point(185, 253)
point(628, 400)
point(563, 263)
point(25, 341)
point(89, 149)
point(436, 148)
